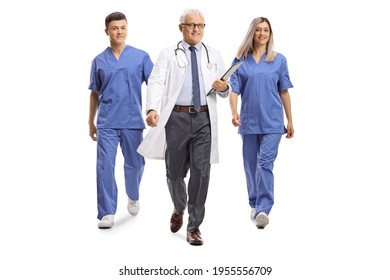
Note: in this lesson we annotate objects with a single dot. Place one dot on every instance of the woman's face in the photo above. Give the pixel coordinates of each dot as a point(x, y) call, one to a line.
point(262, 33)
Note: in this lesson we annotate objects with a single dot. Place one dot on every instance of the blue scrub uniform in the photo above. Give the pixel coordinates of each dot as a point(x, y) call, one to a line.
point(262, 123)
point(119, 121)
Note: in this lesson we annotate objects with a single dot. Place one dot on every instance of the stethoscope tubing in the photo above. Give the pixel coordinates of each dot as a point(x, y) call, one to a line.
point(209, 65)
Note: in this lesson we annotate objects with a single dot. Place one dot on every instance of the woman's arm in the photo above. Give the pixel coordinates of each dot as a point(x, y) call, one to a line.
point(285, 96)
point(233, 98)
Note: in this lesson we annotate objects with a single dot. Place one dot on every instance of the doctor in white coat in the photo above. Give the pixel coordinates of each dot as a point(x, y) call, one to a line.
point(185, 132)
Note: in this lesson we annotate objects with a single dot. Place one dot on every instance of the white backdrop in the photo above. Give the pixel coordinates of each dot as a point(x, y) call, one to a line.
point(330, 219)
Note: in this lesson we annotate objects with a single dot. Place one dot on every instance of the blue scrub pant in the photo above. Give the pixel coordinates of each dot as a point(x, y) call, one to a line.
point(107, 144)
point(259, 154)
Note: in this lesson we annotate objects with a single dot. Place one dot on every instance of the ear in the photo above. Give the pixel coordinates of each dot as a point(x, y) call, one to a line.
point(181, 27)
point(106, 30)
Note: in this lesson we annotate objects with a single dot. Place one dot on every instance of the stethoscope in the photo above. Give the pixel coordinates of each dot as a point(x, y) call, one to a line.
point(182, 59)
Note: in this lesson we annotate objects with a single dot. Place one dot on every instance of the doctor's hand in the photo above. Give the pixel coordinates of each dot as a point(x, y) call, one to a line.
point(152, 118)
point(236, 119)
point(92, 132)
point(220, 85)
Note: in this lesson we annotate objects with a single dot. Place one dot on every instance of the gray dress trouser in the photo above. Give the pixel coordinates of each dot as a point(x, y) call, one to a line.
point(188, 137)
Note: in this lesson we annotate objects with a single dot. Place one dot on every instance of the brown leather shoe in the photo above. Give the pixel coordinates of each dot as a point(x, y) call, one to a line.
point(176, 221)
point(193, 237)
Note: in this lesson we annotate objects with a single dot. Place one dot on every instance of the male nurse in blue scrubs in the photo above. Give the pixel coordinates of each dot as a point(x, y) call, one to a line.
point(117, 75)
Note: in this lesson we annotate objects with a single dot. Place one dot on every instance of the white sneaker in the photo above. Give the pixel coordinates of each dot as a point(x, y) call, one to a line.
point(106, 222)
point(253, 213)
point(133, 207)
point(262, 220)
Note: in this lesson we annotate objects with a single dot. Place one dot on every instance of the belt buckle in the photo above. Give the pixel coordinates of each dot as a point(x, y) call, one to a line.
point(191, 110)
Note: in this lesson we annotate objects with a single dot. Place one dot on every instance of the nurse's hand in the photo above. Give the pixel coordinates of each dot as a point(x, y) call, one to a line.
point(92, 132)
point(152, 118)
point(290, 130)
point(236, 119)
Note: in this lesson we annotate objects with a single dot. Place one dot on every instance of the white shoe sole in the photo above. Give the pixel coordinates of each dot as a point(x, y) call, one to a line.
point(105, 225)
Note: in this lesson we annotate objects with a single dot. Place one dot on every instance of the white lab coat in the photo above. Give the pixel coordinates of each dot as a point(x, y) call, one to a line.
point(164, 85)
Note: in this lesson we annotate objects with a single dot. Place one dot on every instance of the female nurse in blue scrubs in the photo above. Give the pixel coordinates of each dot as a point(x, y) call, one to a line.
point(117, 75)
point(262, 81)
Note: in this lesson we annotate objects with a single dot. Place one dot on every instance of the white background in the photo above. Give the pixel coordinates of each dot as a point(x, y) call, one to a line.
point(331, 215)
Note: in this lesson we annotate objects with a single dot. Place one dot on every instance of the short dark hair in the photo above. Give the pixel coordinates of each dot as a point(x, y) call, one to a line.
point(115, 16)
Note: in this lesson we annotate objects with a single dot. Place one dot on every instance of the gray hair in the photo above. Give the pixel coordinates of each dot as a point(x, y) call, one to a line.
point(190, 12)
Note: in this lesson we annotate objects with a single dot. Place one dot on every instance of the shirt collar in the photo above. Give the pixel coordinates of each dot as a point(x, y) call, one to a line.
point(187, 46)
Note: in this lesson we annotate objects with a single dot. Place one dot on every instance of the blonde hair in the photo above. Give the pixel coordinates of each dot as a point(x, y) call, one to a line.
point(247, 44)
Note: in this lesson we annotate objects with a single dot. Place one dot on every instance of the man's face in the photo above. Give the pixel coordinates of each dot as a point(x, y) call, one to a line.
point(117, 30)
point(192, 35)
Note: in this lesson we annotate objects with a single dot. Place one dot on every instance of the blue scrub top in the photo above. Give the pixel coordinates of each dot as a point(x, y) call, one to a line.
point(119, 85)
point(259, 86)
